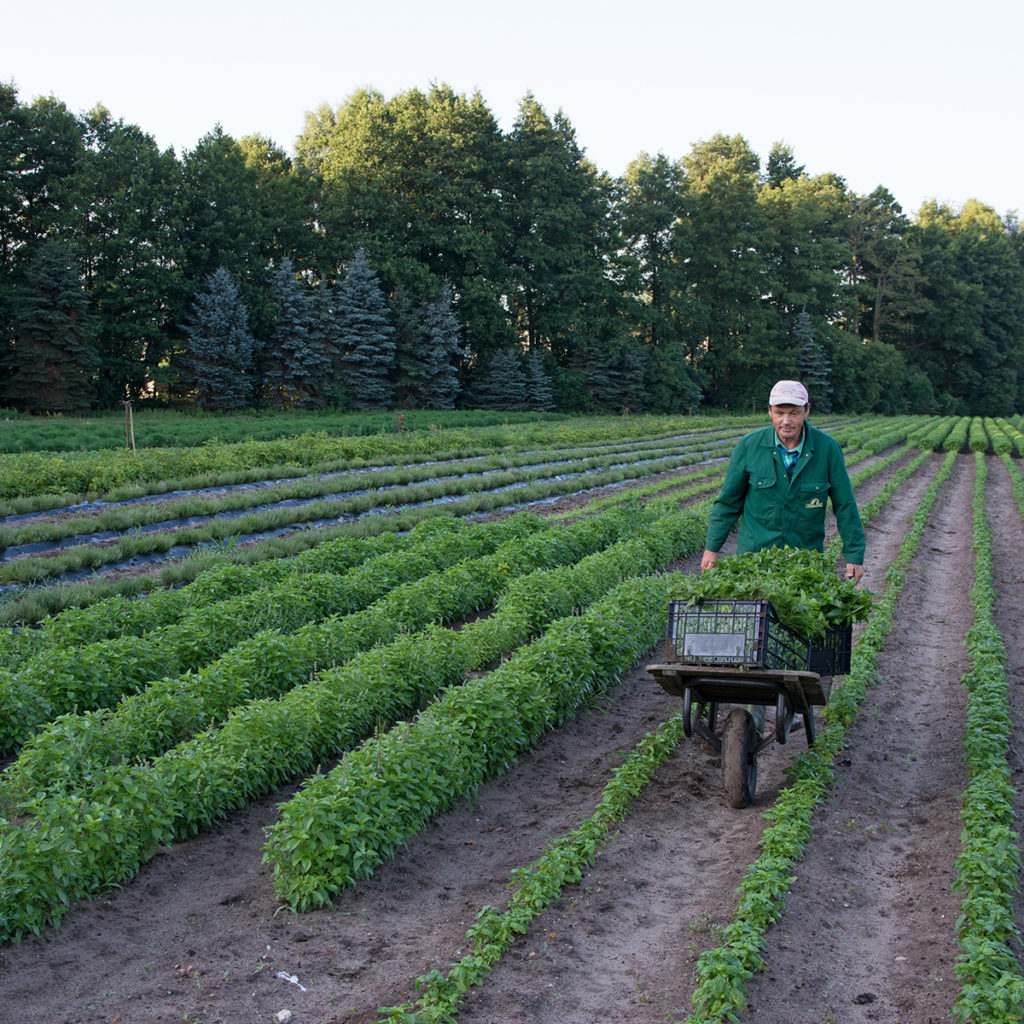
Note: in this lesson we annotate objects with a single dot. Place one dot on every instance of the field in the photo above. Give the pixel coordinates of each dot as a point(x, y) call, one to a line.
point(282, 769)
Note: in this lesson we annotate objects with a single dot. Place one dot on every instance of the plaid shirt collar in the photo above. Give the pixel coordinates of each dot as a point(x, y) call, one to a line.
point(790, 456)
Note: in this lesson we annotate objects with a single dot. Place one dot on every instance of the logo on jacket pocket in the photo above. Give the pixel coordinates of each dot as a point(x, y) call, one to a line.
point(814, 503)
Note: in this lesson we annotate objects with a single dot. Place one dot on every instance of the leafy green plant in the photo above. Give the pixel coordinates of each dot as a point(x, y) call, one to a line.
point(992, 983)
point(802, 586)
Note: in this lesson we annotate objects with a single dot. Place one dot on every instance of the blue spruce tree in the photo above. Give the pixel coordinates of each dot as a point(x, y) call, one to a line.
point(297, 367)
point(443, 349)
point(540, 396)
point(366, 337)
point(219, 359)
point(503, 383)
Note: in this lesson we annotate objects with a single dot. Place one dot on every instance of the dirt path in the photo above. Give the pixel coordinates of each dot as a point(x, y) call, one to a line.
point(868, 933)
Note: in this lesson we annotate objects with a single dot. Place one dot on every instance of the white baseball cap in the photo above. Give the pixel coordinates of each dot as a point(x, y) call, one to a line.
point(788, 392)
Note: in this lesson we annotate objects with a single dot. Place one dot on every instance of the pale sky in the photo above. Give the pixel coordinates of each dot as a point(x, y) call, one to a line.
point(923, 98)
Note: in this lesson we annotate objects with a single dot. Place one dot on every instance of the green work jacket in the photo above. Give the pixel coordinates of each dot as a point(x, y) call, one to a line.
point(775, 510)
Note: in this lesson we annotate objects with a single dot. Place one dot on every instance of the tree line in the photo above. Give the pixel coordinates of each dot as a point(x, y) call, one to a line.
point(411, 254)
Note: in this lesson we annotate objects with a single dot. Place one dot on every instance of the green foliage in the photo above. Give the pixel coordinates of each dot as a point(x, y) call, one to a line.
point(343, 824)
point(220, 349)
point(365, 337)
point(50, 362)
point(989, 864)
point(64, 854)
point(539, 885)
point(682, 280)
point(240, 633)
point(802, 586)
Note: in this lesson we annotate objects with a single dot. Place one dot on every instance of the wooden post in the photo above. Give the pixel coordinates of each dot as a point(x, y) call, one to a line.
point(129, 427)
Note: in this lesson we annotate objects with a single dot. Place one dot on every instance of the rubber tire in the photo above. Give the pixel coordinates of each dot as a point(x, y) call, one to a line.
point(783, 718)
point(739, 758)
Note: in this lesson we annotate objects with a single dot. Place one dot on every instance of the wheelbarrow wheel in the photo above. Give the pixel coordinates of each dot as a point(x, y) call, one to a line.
point(739, 757)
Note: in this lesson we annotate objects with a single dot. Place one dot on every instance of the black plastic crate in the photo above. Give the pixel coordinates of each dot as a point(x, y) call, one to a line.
point(749, 634)
point(830, 655)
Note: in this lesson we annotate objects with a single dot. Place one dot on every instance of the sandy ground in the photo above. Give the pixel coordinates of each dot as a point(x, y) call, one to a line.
point(869, 929)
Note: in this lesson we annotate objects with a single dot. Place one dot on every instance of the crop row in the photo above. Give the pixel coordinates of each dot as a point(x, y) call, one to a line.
point(78, 842)
point(475, 494)
point(414, 593)
point(214, 545)
point(61, 479)
point(876, 435)
point(254, 624)
point(987, 869)
point(1006, 438)
point(120, 616)
point(340, 826)
point(539, 885)
point(478, 474)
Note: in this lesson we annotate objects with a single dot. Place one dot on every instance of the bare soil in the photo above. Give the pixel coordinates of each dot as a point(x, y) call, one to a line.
point(869, 928)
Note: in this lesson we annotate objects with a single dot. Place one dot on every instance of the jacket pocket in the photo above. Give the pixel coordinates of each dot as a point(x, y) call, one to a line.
point(813, 496)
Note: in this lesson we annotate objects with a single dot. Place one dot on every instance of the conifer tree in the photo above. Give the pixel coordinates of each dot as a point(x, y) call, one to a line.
point(366, 337)
point(812, 363)
point(540, 395)
point(502, 385)
point(443, 349)
point(51, 361)
point(325, 339)
point(219, 360)
point(296, 365)
point(412, 363)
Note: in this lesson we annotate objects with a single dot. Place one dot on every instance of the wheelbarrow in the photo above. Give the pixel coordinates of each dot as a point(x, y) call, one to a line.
point(738, 653)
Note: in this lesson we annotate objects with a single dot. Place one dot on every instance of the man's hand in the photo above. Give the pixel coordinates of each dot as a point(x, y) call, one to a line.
point(854, 572)
point(709, 559)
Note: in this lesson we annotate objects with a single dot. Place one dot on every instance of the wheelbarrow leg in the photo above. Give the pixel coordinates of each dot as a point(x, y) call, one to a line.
point(739, 757)
point(783, 717)
point(809, 726)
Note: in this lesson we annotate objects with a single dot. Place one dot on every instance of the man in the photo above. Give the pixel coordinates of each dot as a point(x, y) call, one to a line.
point(778, 483)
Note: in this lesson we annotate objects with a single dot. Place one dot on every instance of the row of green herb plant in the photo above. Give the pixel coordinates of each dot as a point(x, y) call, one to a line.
point(529, 465)
point(538, 886)
point(32, 603)
point(121, 615)
point(1005, 437)
point(78, 843)
point(481, 494)
point(956, 439)
point(157, 428)
point(38, 603)
point(977, 435)
point(876, 434)
point(341, 825)
point(1017, 481)
point(988, 867)
point(97, 473)
point(724, 971)
point(933, 432)
point(173, 708)
point(250, 633)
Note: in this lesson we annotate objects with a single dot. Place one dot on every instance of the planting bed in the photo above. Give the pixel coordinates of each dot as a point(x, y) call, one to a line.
point(869, 928)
